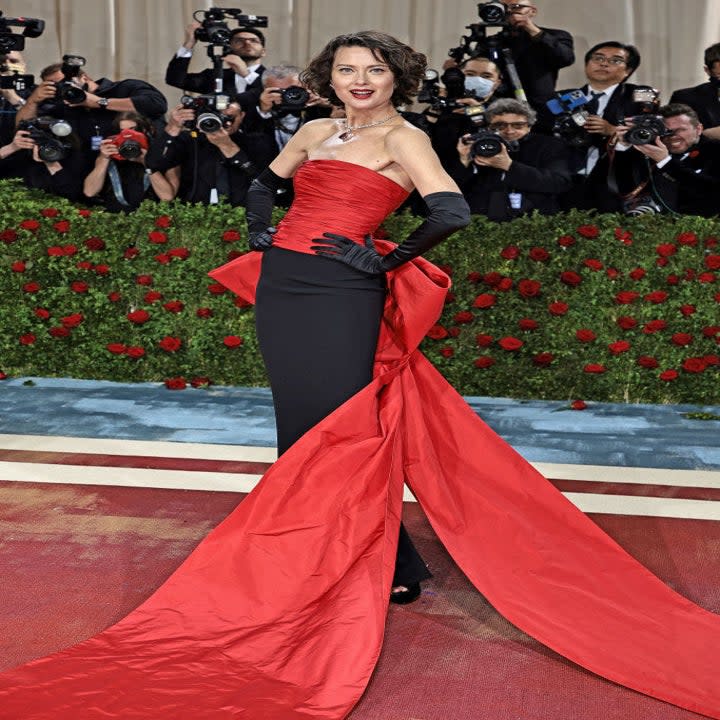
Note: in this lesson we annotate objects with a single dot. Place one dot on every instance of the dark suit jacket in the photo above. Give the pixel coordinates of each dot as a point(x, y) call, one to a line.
point(203, 82)
point(540, 173)
point(703, 99)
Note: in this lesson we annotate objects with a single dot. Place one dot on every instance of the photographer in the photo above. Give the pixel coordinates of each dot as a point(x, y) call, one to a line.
point(507, 170)
point(121, 180)
point(682, 167)
point(704, 99)
point(15, 95)
point(12, 160)
point(241, 63)
point(204, 165)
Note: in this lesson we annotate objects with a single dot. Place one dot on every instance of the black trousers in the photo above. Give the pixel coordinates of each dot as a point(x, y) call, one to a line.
point(317, 323)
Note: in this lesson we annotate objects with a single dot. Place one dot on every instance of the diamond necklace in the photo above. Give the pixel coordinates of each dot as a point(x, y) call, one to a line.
point(349, 133)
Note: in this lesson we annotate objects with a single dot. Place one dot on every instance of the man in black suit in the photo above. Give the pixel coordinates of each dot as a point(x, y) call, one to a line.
point(529, 172)
point(704, 99)
point(242, 68)
point(683, 166)
point(538, 53)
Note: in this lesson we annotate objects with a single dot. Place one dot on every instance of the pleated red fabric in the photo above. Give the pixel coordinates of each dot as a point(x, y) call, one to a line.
point(279, 613)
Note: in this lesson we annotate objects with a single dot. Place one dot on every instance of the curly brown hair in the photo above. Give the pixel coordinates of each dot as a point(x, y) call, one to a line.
point(407, 65)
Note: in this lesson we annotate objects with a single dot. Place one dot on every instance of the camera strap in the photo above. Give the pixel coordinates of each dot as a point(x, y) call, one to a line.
point(116, 183)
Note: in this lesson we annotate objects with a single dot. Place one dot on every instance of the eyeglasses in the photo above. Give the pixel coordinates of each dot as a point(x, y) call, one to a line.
point(602, 59)
point(519, 125)
point(245, 39)
point(517, 7)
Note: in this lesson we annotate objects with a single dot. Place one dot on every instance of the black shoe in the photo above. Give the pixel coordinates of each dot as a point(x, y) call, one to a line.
point(404, 597)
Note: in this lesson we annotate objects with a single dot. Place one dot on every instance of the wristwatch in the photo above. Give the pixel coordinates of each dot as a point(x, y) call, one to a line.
point(103, 103)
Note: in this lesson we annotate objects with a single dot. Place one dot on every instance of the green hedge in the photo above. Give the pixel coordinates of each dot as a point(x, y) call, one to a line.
point(572, 306)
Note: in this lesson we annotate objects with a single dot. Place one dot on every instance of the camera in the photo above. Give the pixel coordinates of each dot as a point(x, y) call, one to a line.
point(208, 109)
point(486, 143)
point(292, 98)
point(493, 13)
point(454, 81)
point(12, 79)
point(66, 89)
point(570, 117)
point(47, 133)
point(215, 30)
point(646, 129)
point(130, 144)
point(33, 27)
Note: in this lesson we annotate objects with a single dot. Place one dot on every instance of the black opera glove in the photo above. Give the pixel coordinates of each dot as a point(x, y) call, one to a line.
point(364, 258)
point(261, 241)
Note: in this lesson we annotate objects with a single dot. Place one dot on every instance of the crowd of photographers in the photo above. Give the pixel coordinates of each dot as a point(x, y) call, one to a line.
point(512, 140)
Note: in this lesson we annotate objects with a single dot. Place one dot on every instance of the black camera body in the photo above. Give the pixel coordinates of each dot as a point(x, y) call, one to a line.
point(33, 27)
point(209, 116)
point(216, 31)
point(67, 90)
point(292, 98)
point(17, 82)
point(486, 143)
point(645, 130)
point(570, 117)
point(48, 134)
point(454, 81)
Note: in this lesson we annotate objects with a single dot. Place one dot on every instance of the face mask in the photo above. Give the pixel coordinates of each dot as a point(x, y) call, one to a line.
point(480, 85)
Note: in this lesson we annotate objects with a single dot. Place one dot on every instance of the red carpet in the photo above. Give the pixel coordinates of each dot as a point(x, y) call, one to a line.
point(74, 559)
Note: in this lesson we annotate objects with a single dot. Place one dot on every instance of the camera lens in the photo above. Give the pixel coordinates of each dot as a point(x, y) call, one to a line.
point(51, 151)
point(130, 149)
point(71, 93)
point(294, 96)
point(492, 13)
point(486, 146)
point(209, 123)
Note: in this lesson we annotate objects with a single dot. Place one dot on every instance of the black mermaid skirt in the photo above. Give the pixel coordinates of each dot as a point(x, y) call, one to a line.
point(318, 322)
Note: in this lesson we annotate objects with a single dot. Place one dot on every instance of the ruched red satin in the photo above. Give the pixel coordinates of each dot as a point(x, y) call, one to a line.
point(279, 613)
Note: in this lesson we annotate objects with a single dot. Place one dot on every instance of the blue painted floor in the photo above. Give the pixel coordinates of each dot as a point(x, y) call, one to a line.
point(651, 436)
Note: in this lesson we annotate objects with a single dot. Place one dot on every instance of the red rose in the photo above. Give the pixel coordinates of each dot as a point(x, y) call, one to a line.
point(624, 236)
point(436, 332)
point(55, 251)
point(483, 340)
point(612, 273)
point(8, 236)
point(217, 289)
point(79, 286)
point(673, 279)
point(570, 278)
point(465, 316)
point(200, 382)
point(566, 241)
point(528, 288)
point(31, 225)
point(174, 306)
point(59, 331)
point(231, 236)
point(626, 297)
point(712, 359)
point(510, 252)
point(504, 285)
point(661, 262)
point(706, 277)
point(712, 262)
point(585, 335)
point(717, 297)
point(144, 279)
point(618, 347)
point(694, 365)
point(176, 383)
point(3, 376)
point(711, 331)
point(152, 296)
point(689, 274)
point(83, 265)
point(138, 316)
point(511, 344)
point(447, 351)
point(232, 341)
point(18, 266)
point(474, 277)
point(170, 344)
point(454, 331)
point(543, 359)
point(130, 253)
point(84, 213)
point(49, 212)
point(687, 309)
point(95, 243)
point(528, 324)
point(539, 254)
point(687, 238)
point(181, 253)
point(157, 237)
point(666, 250)
point(102, 269)
point(637, 274)
point(654, 326)
point(558, 308)
point(656, 297)
point(578, 405)
point(669, 375)
point(648, 362)
point(42, 313)
point(485, 300)
point(163, 222)
point(492, 278)
point(71, 321)
point(135, 352)
point(588, 231)
point(27, 339)
point(682, 339)
point(241, 302)
point(163, 258)
point(31, 287)
point(234, 254)
point(204, 312)
point(116, 348)
point(711, 242)
point(484, 361)
point(594, 369)
point(449, 297)
point(114, 296)
point(593, 264)
point(626, 322)
point(62, 226)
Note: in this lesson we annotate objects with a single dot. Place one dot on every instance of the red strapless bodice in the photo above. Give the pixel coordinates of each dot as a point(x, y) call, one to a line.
point(339, 197)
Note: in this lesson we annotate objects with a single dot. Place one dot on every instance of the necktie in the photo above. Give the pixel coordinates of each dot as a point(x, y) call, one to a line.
point(592, 106)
